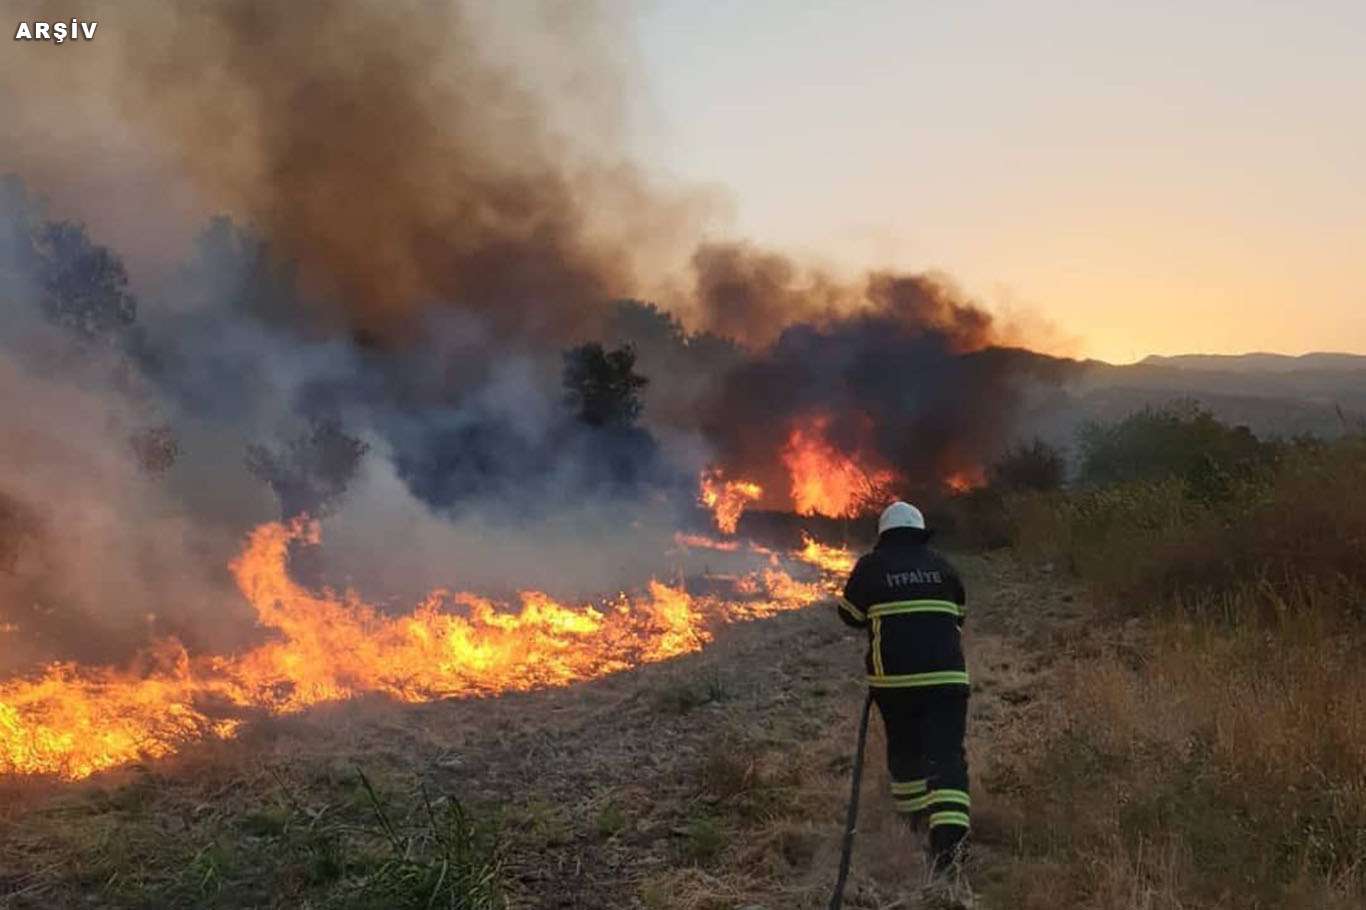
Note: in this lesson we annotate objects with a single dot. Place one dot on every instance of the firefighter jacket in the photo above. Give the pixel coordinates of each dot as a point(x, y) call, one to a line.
point(911, 601)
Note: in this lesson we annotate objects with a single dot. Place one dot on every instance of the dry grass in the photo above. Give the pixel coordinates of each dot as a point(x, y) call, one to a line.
point(1210, 751)
point(1226, 769)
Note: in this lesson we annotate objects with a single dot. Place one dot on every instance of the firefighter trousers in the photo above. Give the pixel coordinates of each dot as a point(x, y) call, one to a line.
point(928, 764)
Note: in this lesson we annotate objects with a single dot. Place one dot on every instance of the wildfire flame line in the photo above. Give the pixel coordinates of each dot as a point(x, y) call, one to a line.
point(726, 498)
point(72, 721)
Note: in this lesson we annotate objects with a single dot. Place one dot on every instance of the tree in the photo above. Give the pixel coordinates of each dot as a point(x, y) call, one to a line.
point(311, 473)
point(602, 387)
point(1033, 466)
point(80, 285)
point(84, 285)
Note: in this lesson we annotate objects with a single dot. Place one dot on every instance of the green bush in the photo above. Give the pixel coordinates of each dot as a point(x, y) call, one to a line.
point(1294, 525)
point(1109, 535)
point(1180, 440)
point(1034, 466)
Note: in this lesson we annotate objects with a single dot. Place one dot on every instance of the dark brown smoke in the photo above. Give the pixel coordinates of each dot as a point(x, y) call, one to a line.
point(410, 155)
point(418, 159)
point(913, 372)
point(920, 304)
point(749, 295)
point(396, 151)
point(377, 147)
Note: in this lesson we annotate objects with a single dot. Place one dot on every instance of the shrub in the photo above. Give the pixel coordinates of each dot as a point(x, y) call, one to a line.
point(1279, 523)
point(1034, 466)
point(976, 520)
point(682, 695)
point(704, 839)
point(1305, 530)
point(1179, 440)
point(1111, 536)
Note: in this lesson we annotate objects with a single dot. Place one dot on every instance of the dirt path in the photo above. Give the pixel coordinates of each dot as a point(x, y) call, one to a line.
point(1019, 618)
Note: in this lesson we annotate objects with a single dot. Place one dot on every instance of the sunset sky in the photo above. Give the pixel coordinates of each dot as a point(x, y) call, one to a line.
point(1147, 178)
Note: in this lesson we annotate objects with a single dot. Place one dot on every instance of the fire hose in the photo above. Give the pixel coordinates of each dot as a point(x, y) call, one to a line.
point(851, 819)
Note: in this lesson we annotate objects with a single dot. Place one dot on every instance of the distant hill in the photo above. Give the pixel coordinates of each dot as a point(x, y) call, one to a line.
point(1259, 362)
point(1273, 394)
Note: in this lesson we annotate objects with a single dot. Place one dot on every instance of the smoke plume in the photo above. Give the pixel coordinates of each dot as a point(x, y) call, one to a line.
point(360, 235)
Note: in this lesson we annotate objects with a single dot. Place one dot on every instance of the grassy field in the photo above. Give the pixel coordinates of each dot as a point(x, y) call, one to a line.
point(1169, 713)
point(1209, 746)
point(1117, 763)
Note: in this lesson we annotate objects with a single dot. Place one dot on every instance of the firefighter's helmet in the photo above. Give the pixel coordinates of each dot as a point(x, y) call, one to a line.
point(900, 515)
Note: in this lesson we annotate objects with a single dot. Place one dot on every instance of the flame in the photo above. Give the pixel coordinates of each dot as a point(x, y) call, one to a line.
point(965, 480)
point(788, 592)
point(826, 481)
point(838, 560)
point(72, 721)
point(726, 498)
point(702, 542)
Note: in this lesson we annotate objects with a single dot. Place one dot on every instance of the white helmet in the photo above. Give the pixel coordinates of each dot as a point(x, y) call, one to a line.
point(900, 515)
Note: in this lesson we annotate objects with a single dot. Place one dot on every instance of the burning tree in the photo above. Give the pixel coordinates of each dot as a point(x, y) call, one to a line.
point(726, 498)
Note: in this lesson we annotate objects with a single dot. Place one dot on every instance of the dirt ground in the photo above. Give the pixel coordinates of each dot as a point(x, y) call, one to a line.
point(718, 780)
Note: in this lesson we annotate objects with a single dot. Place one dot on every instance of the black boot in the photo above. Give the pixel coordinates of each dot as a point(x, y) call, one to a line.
point(946, 859)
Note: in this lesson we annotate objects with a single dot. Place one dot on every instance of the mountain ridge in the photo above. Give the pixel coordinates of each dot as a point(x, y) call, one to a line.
point(1258, 361)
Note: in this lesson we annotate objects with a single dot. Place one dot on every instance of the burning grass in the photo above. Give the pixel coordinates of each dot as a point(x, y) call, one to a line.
point(1200, 748)
point(727, 499)
point(717, 779)
point(838, 560)
point(582, 796)
point(73, 721)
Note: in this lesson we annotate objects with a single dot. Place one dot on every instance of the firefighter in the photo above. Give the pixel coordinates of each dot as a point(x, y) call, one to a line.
point(911, 602)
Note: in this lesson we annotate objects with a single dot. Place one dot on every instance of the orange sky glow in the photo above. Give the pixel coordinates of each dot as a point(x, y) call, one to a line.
point(1141, 179)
